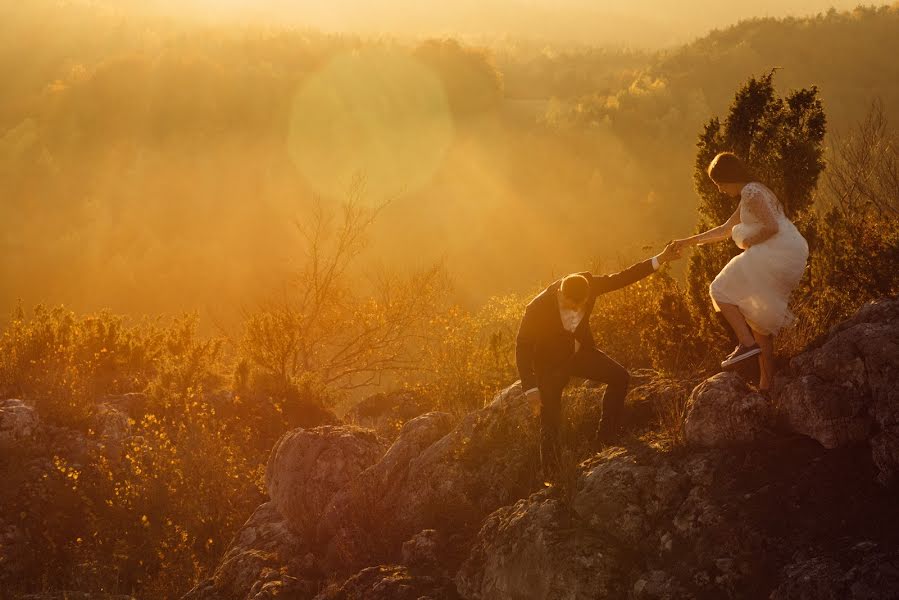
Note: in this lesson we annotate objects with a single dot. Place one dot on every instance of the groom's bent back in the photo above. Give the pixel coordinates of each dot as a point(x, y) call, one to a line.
point(555, 342)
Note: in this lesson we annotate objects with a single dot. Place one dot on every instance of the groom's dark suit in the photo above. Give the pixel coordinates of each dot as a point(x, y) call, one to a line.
point(546, 356)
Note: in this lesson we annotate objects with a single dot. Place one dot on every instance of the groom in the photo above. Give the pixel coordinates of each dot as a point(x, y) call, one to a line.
point(555, 342)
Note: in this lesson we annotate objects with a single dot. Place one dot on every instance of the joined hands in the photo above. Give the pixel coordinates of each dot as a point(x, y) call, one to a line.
point(672, 251)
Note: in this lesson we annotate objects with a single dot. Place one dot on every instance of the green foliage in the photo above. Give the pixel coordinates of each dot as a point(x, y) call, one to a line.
point(647, 324)
point(780, 139)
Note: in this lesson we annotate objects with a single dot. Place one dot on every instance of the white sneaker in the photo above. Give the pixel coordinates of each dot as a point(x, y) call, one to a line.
point(740, 353)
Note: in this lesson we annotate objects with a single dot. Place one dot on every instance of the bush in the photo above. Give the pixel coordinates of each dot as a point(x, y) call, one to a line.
point(469, 356)
point(154, 517)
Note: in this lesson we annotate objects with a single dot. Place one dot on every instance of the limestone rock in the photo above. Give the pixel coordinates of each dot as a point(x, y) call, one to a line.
point(845, 390)
point(307, 466)
point(358, 526)
point(864, 573)
point(659, 585)
point(422, 549)
point(624, 494)
point(265, 559)
point(434, 478)
point(722, 411)
point(18, 422)
point(538, 549)
point(114, 428)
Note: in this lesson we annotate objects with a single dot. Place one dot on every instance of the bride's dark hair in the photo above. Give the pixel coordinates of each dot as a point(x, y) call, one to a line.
point(726, 167)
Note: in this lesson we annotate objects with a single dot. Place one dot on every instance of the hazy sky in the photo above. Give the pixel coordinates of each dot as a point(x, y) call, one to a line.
point(641, 23)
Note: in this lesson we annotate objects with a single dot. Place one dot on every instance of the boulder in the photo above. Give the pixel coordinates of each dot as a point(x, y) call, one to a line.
point(539, 549)
point(307, 466)
point(659, 585)
point(421, 551)
point(844, 391)
point(717, 523)
point(624, 494)
point(723, 411)
point(358, 526)
point(864, 572)
point(18, 423)
point(265, 559)
point(434, 478)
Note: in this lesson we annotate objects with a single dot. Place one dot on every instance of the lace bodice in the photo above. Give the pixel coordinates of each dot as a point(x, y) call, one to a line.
point(759, 209)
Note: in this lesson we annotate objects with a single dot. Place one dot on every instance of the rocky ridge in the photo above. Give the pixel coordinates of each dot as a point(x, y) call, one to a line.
point(788, 497)
point(791, 496)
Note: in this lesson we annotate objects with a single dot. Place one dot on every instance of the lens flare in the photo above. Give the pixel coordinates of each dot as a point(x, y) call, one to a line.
point(378, 114)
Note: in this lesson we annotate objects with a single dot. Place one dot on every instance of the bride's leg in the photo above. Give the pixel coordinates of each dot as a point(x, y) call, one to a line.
point(766, 359)
point(733, 315)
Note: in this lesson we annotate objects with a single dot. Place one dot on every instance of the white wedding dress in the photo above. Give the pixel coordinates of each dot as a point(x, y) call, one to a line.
point(760, 279)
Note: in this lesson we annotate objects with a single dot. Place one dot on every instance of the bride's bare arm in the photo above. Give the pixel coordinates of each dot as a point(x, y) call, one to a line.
point(716, 234)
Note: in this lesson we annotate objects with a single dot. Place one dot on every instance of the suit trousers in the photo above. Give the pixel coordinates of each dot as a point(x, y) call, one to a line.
point(588, 363)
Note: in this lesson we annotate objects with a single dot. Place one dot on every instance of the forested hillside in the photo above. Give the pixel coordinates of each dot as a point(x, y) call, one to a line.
point(149, 163)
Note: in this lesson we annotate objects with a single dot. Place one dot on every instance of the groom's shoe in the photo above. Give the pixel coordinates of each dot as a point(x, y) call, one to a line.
point(740, 353)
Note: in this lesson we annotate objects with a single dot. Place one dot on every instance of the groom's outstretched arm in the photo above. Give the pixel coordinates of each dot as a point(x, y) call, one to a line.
point(525, 349)
point(600, 284)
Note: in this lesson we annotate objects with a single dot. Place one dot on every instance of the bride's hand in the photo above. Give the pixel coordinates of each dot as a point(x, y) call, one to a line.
point(671, 252)
point(679, 245)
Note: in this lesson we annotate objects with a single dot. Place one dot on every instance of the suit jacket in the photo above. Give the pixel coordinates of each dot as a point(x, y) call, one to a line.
point(543, 344)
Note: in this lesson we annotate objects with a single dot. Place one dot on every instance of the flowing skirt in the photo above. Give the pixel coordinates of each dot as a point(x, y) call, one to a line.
point(760, 280)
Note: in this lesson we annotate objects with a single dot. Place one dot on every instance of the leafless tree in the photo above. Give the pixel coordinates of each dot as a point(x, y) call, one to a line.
point(864, 170)
point(330, 323)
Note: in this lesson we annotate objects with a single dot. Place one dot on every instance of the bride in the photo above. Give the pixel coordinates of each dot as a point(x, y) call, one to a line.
point(753, 289)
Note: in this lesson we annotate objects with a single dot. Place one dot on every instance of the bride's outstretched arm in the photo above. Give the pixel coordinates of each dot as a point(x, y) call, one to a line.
point(715, 234)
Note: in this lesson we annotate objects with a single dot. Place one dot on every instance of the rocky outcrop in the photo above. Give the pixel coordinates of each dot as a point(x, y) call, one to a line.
point(264, 560)
point(357, 527)
point(722, 411)
point(718, 523)
point(539, 549)
point(113, 427)
point(458, 509)
point(423, 549)
point(434, 478)
point(845, 390)
point(862, 572)
point(307, 466)
point(623, 495)
point(18, 422)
